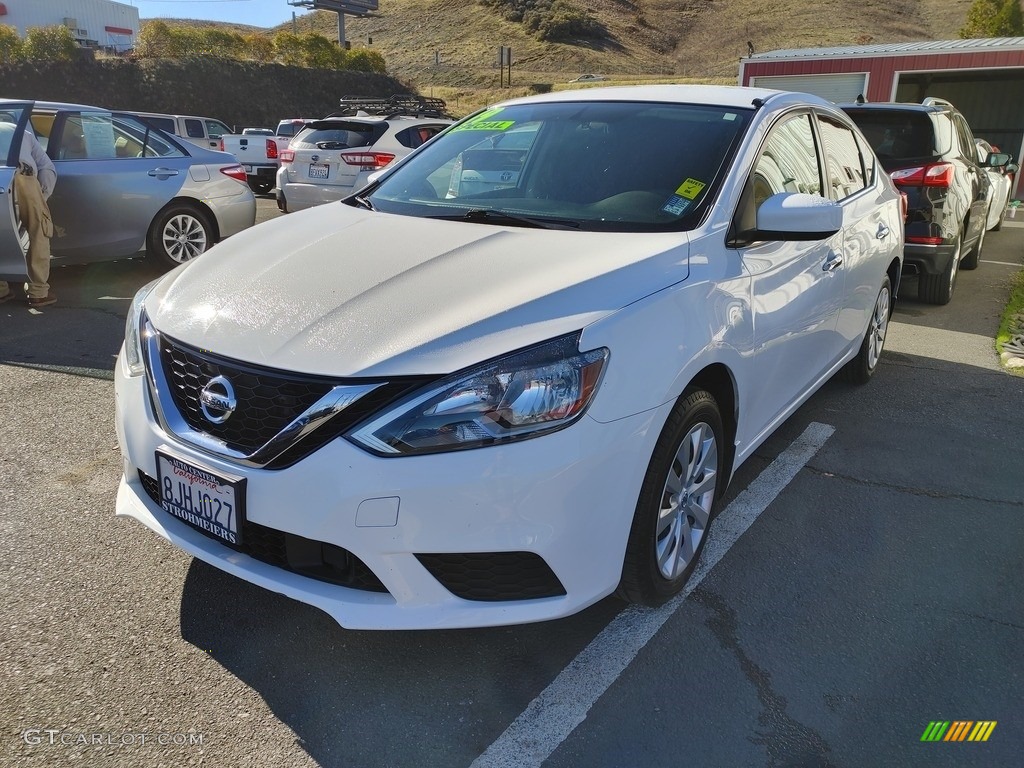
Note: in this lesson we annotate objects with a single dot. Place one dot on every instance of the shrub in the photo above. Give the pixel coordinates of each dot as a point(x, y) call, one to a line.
point(10, 44)
point(49, 44)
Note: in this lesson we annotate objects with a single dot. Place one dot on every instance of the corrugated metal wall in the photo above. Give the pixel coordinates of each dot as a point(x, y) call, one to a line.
point(92, 19)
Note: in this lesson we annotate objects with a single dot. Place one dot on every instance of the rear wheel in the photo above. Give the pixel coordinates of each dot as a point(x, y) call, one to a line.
point(179, 234)
point(938, 289)
point(676, 504)
point(863, 366)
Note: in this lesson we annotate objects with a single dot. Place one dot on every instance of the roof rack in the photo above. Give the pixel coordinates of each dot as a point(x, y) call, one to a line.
point(408, 104)
point(935, 101)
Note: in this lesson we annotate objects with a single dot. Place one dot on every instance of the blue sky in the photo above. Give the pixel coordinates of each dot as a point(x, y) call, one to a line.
point(258, 13)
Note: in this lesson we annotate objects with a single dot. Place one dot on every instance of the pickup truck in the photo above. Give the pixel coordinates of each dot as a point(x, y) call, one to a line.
point(258, 154)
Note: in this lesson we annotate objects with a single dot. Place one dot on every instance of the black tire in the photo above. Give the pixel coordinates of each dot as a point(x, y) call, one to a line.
point(282, 203)
point(970, 261)
point(654, 569)
point(178, 234)
point(938, 289)
point(260, 187)
point(861, 368)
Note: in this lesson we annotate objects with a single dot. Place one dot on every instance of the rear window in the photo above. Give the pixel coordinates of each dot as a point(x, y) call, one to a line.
point(898, 135)
point(324, 135)
point(288, 128)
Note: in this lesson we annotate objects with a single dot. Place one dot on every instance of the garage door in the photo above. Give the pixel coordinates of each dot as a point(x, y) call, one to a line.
point(837, 88)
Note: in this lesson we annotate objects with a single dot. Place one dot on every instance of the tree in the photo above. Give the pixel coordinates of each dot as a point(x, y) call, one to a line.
point(155, 40)
point(993, 18)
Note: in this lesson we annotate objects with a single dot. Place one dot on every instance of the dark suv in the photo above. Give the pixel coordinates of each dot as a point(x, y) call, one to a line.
point(929, 151)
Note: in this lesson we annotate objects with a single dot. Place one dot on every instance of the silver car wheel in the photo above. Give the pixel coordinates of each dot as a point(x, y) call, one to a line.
point(687, 498)
point(879, 326)
point(184, 237)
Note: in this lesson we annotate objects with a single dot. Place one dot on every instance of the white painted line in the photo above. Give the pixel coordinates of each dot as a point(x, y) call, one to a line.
point(1004, 263)
point(549, 719)
point(114, 298)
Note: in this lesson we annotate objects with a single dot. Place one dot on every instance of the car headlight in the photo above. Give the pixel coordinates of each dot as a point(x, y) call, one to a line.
point(521, 395)
point(133, 334)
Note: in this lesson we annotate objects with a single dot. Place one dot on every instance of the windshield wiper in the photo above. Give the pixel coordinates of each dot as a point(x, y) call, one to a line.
point(500, 217)
point(363, 202)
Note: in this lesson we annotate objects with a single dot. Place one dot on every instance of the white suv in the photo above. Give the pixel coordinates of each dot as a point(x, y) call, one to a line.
point(330, 158)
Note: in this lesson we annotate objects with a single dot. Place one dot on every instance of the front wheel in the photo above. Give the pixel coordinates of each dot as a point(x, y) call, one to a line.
point(179, 234)
point(863, 366)
point(677, 502)
point(971, 260)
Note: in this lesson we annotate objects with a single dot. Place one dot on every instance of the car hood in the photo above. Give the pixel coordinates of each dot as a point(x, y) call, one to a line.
point(346, 292)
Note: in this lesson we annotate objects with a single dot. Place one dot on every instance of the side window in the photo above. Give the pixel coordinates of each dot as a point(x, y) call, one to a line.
point(216, 129)
point(788, 162)
point(134, 138)
point(845, 170)
point(868, 157)
point(87, 136)
point(163, 123)
point(42, 125)
point(967, 145)
point(417, 135)
point(194, 129)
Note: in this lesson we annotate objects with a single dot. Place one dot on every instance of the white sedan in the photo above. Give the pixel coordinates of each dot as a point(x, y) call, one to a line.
point(1000, 171)
point(443, 404)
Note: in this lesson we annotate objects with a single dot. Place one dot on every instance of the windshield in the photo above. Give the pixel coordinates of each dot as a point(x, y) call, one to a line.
point(622, 166)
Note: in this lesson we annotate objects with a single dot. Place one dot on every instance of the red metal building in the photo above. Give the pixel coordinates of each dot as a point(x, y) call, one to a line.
point(983, 78)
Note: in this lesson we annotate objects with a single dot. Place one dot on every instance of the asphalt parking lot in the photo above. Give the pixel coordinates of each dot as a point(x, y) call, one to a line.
point(866, 582)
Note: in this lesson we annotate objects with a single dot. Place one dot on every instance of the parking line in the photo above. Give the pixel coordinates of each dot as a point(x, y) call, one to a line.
point(1002, 263)
point(549, 719)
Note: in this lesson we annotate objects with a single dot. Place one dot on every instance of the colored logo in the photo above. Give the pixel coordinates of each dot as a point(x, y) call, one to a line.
point(958, 730)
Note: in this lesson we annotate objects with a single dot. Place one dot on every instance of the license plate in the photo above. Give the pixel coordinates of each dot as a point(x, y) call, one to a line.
point(248, 168)
point(318, 171)
point(202, 499)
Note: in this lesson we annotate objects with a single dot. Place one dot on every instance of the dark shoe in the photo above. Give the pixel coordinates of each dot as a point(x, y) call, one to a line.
point(7, 297)
point(42, 301)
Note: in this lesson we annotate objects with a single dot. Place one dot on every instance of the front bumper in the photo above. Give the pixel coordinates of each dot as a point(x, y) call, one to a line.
point(567, 497)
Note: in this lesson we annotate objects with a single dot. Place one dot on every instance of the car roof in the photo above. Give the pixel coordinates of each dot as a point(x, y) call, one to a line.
point(735, 96)
point(56, 105)
point(900, 106)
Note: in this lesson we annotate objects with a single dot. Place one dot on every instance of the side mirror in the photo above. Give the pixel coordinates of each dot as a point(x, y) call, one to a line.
point(1012, 168)
point(796, 216)
point(997, 159)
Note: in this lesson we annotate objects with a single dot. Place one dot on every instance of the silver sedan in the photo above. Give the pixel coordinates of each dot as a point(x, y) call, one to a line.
point(122, 186)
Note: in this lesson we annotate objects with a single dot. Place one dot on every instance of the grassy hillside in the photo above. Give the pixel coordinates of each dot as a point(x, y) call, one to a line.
point(692, 38)
point(645, 38)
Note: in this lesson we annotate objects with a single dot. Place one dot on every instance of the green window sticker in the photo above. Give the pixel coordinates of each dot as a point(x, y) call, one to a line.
point(483, 122)
point(690, 188)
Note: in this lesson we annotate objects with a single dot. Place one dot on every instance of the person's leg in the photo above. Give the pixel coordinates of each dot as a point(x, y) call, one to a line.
point(35, 215)
point(5, 291)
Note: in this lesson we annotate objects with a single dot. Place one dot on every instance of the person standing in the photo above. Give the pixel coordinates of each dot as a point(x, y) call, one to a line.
point(33, 185)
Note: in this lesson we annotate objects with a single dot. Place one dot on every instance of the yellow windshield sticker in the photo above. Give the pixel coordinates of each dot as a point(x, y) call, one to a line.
point(690, 188)
point(483, 122)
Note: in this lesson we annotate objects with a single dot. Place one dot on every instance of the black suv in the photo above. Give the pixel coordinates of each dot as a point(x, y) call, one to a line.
point(929, 151)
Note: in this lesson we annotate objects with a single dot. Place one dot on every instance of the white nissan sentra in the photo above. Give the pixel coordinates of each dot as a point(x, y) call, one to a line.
point(515, 374)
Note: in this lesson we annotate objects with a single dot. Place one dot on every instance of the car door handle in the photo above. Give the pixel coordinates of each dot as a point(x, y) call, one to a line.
point(163, 172)
point(833, 262)
point(883, 231)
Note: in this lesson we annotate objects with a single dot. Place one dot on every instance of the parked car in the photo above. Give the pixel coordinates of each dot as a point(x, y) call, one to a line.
point(201, 131)
point(288, 127)
point(1000, 171)
point(588, 79)
point(330, 158)
point(258, 155)
point(502, 405)
point(928, 150)
point(122, 185)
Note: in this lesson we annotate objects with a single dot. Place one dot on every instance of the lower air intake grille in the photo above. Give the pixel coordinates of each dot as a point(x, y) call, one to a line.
point(315, 559)
point(494, 576)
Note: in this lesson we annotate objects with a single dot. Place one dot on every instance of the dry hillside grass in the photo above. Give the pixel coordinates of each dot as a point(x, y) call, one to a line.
point(670, 39)
point(689, 38)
